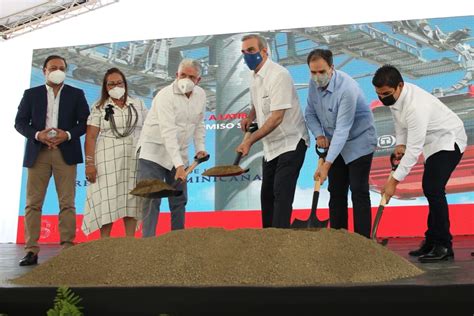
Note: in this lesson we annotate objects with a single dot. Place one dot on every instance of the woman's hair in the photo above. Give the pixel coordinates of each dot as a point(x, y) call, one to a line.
point(104, 94)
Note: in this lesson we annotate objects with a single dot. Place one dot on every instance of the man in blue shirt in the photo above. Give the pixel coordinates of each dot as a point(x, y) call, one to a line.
point(341, 121)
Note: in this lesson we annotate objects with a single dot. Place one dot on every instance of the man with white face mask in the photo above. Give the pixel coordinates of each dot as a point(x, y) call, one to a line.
point(53, 118)
point(176, 117)
point(340, 119)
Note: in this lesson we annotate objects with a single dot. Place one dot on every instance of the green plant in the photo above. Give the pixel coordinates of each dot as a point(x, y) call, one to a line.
point(65, 303)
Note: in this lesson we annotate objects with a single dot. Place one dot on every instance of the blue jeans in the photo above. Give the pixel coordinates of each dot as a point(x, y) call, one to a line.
point(151, 207)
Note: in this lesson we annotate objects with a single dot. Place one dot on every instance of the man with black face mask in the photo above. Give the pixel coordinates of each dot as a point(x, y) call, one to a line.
point(423, 124)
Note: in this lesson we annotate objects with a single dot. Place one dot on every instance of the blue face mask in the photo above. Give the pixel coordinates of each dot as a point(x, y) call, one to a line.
point(253, 60)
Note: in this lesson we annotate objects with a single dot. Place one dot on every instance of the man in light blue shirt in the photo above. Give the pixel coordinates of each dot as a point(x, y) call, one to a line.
point(341, 121)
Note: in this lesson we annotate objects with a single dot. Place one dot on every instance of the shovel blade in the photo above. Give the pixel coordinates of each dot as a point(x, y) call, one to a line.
point(313, 220)
point(220, 171)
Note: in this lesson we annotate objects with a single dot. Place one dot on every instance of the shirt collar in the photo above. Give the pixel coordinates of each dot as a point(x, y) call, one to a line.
point(264, 70)
point(401, 99)
point(50, 89)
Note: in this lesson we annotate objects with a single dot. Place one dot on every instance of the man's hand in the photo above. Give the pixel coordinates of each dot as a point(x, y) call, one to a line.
point(322, 172)
point(389, 188)
point(91, 173)
point(322, 142)
point(180, 173)
point(245, 123)
point(399, 151)
point(244, 148)
point(201, 154)
point(44, 138)
point(61, 137)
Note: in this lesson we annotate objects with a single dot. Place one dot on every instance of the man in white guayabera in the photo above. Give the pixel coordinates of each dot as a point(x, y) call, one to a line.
point(176, 117)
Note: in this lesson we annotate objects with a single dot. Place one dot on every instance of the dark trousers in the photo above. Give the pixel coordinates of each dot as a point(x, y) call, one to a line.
point(356, 176)
point(279, 185)
point(438, 169)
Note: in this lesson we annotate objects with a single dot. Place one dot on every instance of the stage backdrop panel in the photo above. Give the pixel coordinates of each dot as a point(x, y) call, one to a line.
point(436, 54)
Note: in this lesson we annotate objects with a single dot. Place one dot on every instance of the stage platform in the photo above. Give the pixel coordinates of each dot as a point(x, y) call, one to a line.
point(445, 289)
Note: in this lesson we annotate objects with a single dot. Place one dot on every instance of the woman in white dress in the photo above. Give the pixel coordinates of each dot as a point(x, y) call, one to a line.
point(113, 129)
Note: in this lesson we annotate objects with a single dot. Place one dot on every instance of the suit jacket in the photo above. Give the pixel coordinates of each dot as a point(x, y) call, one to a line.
point(72, 117)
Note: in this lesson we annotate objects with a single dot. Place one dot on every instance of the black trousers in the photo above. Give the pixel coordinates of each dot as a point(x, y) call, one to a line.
point(438, 169)
point(279, 185)
point(356, 176)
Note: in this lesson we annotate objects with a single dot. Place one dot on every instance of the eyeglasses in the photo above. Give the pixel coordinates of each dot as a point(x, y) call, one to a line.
point(113, 84)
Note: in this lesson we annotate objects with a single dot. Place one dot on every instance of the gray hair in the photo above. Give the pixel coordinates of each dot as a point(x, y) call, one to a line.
point(262, 42)
point(188, 62)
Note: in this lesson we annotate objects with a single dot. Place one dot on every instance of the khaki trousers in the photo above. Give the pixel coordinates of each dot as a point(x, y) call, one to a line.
point(50, 162)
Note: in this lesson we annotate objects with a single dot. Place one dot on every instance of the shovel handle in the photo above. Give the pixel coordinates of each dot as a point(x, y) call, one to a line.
point(190, 169)
point(237, 159)
point(252, 128)
point(321, 152)
point(196, 162)
point(383, 201)
point(202, 159)
point(317, 183)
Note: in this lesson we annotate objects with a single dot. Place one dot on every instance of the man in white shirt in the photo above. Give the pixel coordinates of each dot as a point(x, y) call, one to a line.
point(423, 124)
point(176, 117)
point(282, 129)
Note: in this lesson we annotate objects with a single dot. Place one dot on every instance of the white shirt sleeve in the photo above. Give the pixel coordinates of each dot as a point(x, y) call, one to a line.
point(417, 118)
point(163, 107)
point(281, 92)
point(401, 135)
point(200, 131)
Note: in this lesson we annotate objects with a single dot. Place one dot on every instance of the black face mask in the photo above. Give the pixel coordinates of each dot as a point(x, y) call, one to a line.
point(388, 100)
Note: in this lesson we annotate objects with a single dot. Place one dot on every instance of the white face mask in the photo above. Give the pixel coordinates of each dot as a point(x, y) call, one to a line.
point(322, 80)
point(117, 92)
point(185, 85)
point(56, 76)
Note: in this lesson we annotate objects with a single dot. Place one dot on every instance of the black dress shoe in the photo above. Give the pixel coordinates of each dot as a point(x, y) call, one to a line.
point(30, 259)
point(437, 254)
point(425, 247)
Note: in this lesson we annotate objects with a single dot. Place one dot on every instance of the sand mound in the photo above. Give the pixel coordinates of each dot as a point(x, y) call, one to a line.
point(214, 256)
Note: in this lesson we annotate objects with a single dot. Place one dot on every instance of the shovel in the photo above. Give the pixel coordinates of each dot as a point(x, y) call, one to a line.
point(382, 204)
point(234, 169)
point(155, 188)
point(313, 221)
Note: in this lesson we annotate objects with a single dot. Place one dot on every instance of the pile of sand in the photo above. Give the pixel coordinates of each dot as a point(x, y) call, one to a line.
point(214, 256)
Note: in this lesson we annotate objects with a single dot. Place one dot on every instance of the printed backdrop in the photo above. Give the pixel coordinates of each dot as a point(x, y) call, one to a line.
point(436, 54)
